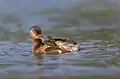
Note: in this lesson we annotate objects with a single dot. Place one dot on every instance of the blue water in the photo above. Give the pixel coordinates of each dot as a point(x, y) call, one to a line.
point(100, 44)
point(96, 58)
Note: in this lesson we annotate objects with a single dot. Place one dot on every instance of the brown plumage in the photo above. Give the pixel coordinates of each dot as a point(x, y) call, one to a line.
point(56, 45)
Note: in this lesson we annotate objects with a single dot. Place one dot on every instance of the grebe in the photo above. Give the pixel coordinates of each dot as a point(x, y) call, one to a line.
point(51, 45)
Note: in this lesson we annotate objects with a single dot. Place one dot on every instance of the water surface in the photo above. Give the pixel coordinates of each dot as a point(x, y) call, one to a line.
point(99, 58)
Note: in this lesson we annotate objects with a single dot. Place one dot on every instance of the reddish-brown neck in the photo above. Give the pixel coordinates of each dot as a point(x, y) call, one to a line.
point(36, 44)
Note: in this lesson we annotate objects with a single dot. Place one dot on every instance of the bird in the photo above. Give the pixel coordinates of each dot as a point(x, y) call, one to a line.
point(50, 45)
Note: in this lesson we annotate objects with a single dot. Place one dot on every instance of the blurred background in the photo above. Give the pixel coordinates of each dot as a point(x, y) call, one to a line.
point(74, 16)
point(94, 24)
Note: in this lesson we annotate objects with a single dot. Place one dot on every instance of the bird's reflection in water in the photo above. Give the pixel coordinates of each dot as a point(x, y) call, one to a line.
point(46, 64)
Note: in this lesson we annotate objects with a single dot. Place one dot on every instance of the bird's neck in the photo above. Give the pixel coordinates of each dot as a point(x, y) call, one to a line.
point(36, 44)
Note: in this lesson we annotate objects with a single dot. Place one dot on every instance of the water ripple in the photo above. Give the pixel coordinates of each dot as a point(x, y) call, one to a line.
point(100, 57)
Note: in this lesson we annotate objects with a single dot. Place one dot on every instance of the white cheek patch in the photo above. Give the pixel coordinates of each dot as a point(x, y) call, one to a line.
point(33, 34)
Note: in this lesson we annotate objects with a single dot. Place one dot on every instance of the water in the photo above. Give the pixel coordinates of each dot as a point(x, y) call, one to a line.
point(96, 32)
point(99, 58)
